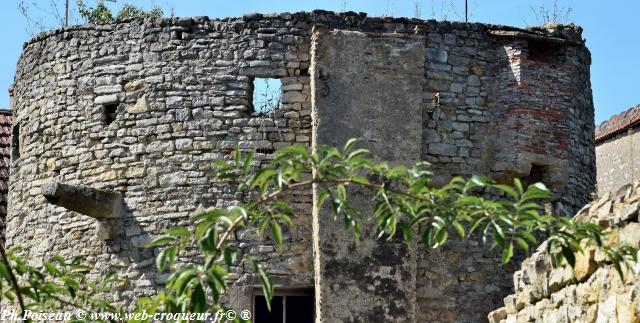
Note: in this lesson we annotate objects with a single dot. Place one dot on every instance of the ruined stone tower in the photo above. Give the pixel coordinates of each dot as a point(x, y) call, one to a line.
point(136, 111)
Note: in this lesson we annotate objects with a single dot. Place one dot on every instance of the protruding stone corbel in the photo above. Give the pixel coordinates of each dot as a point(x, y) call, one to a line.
point(102, 205)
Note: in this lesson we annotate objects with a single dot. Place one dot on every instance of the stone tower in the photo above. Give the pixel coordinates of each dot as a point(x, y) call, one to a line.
point(132, 114)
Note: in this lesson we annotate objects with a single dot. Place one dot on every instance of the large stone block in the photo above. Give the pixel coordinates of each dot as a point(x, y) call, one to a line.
point(356, 97)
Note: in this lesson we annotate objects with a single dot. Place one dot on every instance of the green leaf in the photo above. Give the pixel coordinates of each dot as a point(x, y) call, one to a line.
point(160, 241)
point(518, 185)
point(509, 190)
point(183, 279)
point(237, 155)
point(498, 235)
point(246, 165)
point(522, 243)
point(441, 237)
point(349, 145)
point(567, 253)
point(459, 228)
point(507, 253)
point(210, 240)
point(291, 150)
point(396, 172)
point(322, 198)
point(51, 268)
point(479, 180)
point(178, 231)
point(276, 230)
point(360, 180)
point(426, 238)
point(230, 256)
point(198, 299)
point(267, 286)
point(536, 191)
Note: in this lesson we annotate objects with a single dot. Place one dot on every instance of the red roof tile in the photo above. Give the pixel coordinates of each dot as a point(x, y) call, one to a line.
point(618, 123)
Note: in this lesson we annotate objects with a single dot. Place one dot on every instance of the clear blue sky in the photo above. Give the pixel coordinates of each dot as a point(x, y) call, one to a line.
point(611, 31)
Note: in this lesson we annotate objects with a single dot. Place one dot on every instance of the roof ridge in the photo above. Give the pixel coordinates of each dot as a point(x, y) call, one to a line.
point(618, 123)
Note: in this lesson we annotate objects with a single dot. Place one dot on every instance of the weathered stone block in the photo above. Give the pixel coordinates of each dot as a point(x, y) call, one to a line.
point(98, 204)
point(436, 55)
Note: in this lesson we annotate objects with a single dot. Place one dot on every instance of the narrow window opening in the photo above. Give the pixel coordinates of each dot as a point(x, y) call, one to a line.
point(543, 51)
point(16, 143)
point(265, 150)
point(177, 34)
point(304, 71)
point(536, 175)
point(110, 112)
point(287, 306)
point(266, 94)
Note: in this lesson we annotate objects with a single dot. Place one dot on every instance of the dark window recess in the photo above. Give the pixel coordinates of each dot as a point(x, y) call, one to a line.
point(296, 308)
point(304, 71)
point(265, 94)
point(536, 175)
point(299, 309)
point(265, 150)
point(110, 112)
point(543, 51)
point(262, 314)
point(15, 142)
point(177, 34)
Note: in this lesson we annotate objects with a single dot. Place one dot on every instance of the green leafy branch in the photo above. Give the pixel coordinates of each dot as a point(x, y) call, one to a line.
point(404, 202)
point(55, 285)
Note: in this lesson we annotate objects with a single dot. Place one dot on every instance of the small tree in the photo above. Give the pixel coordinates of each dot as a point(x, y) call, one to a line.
point(102, 15)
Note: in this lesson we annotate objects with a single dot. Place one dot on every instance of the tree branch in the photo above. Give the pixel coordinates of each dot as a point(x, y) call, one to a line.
point(12, 277)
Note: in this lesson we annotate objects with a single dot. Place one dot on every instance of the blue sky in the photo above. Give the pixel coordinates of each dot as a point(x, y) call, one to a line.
point(610, 29)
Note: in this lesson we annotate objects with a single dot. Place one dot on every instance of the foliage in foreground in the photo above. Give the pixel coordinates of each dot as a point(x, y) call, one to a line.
point(404, 203)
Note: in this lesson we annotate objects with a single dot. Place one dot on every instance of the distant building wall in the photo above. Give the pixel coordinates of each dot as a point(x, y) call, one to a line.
point(618, 151)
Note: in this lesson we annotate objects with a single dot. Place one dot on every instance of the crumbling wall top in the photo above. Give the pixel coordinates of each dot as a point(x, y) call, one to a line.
point(568, 34)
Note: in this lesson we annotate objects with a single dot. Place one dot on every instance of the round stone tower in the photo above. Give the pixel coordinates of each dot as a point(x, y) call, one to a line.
point(115, 127)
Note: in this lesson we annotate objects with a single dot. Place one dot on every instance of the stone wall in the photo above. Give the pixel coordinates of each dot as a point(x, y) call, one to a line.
point(143, 107)
point(617, 152)
point(374, 95)
point(5, 162)
point(590, 292)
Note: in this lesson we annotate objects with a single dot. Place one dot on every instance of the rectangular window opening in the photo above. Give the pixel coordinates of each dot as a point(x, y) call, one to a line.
point(16, 143)
point(287, 306)
point(536, 175)
point(265, 94)
point(110, 112)
point(543, 51)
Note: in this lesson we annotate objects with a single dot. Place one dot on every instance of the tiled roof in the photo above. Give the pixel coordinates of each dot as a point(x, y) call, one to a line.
point(5, 160)
point(618, 123)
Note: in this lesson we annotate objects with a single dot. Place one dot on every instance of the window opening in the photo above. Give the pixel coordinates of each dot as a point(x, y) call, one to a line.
point(16, 143)
point(543, 51)
point(110, 112)
point(287, 306)
point(536, 175)
point(266, 94)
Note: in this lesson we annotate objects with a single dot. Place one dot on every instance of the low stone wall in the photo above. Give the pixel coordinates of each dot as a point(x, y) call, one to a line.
point(590, 292)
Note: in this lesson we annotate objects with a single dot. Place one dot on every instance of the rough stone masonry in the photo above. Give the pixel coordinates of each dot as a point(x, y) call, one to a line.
point(592, 291)
point(141, 108)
